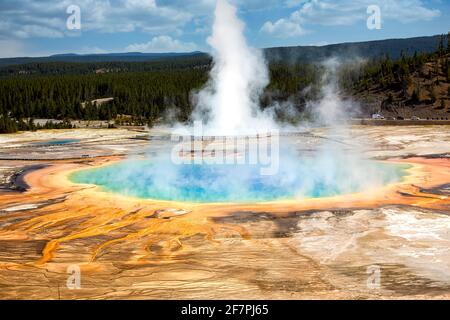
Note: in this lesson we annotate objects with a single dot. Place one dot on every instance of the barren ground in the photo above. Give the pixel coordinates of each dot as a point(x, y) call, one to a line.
point(140, 249)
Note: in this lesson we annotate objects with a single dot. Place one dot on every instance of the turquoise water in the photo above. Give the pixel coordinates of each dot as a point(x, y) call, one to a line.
point(57, 142)
point(311, 178)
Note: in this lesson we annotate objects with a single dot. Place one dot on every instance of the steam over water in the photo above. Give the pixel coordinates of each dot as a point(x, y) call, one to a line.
point(159, 179)
point(229, 106)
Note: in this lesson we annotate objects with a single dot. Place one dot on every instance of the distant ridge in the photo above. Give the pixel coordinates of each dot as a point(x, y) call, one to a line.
point(102, 57)
point(127, 54)
point(369, 49)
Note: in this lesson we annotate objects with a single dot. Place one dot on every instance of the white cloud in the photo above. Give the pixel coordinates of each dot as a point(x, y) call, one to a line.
point(344, 12)
point(319, 44)
point(92, 50)
point(47, 18)
point(12, 48)
point(162, 44)
point(283, 28)
point(294, 3)
point(29, 31)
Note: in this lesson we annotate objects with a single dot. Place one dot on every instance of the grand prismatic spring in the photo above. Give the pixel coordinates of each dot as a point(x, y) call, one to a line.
point(231, 183)
point(344, 201)
point(259, 240)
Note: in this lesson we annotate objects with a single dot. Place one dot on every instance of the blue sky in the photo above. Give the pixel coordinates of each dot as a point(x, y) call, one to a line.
point(38, 28)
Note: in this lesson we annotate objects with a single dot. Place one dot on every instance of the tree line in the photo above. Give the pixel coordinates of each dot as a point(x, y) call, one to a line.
point(387, 74)
point(161, 90)
point(145, 97)
point(8, 125)
point(79, 68)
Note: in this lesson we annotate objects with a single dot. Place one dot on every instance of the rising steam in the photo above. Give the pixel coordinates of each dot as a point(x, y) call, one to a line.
point(229, 106)
point(230, 101)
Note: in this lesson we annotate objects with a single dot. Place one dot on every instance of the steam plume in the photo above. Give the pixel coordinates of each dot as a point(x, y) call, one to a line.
point(230, 101)
point(231, 104)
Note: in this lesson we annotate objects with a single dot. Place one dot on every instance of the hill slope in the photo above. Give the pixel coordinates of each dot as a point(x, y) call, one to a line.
point(418, 86)
point(299, 54)
point(370, 49)
point(112, 57)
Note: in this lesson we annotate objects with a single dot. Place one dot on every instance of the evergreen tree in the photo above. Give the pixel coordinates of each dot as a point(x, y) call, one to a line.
point(448, 42)
point(433, 96)
point(7, 125)
point(416, 95)
point(441, 46)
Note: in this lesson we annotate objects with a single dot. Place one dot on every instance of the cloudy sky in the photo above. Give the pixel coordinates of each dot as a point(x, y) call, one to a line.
point(39, 27)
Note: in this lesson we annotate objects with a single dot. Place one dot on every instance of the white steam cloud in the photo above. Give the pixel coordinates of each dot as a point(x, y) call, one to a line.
point(230, 101)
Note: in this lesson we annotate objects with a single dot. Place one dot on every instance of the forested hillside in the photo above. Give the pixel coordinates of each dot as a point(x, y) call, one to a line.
point(79, 68)
point(293, 55)
point(145, 96)
point(147, 92)
point(142, 95)
point(394, 48)
point(414, 85)
point(98, 58)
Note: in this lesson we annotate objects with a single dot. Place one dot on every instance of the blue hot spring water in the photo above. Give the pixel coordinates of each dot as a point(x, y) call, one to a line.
point(57, 142)
point(160, 179)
